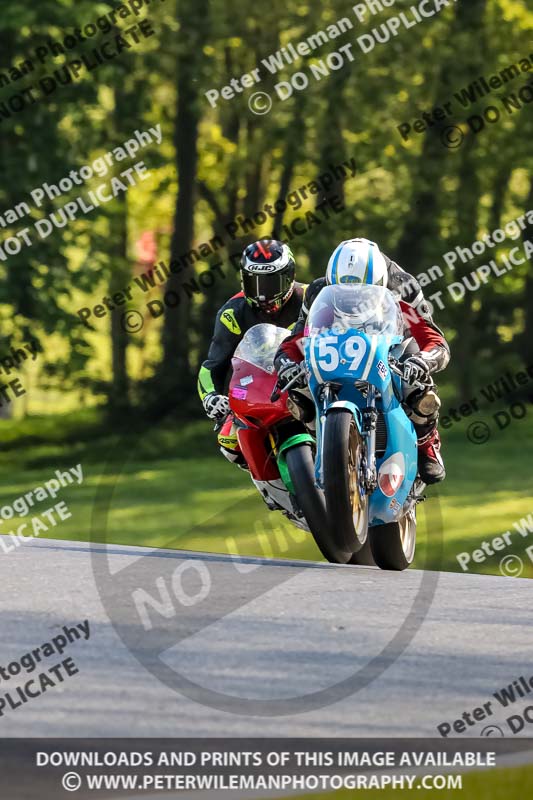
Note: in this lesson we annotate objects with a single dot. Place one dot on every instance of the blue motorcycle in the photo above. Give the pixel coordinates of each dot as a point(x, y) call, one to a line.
point(366, 451)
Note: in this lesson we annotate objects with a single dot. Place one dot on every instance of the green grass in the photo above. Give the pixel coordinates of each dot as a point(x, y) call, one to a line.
point(488, 488)
point(169, 487)
point(494, 784)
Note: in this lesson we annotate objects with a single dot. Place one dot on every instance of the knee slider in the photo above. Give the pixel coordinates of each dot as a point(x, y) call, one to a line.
point(424, 406)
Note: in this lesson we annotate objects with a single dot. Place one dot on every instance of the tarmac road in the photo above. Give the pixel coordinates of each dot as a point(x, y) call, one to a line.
point(262, 630)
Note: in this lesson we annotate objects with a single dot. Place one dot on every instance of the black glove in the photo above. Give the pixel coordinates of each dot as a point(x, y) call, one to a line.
point(288, 371)
point(216, 406)
point(416, 369)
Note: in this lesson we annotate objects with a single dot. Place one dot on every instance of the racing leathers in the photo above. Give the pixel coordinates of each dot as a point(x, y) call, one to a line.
point(232, 321)
point(425, 352)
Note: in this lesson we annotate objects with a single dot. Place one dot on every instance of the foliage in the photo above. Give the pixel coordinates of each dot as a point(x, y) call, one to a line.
point(417, 198)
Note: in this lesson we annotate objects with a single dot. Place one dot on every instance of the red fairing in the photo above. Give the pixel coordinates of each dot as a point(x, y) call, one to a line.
point(249, 397)
point(424, 334)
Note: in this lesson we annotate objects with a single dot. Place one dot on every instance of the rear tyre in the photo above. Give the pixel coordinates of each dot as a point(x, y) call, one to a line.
point(393, 545)
point(346, 501)
point(301, 466)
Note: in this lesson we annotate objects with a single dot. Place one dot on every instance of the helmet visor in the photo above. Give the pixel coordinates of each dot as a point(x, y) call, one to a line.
point(263, 289)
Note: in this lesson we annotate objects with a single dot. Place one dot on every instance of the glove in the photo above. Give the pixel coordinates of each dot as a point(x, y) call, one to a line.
point(416, 369)
point(288, 371)
point(216, 406)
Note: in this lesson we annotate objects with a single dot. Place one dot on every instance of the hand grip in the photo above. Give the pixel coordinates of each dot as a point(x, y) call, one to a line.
point(276, 394)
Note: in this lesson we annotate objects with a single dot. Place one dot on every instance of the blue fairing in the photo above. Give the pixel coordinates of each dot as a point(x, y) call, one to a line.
point(343, 359)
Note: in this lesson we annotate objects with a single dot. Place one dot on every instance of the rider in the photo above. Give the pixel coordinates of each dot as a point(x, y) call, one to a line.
point(361, 261)
point(269, 294)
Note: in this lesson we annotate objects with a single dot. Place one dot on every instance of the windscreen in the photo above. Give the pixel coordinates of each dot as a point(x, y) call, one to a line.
point(260, 344)
point(371, 309)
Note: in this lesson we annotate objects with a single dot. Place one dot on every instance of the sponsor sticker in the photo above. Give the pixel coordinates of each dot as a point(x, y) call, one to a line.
point(227, 318)
point(382, 369)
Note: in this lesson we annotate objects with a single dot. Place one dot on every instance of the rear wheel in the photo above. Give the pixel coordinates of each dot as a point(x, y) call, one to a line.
point(301, 465)
point(346, 500)
point(393, 545)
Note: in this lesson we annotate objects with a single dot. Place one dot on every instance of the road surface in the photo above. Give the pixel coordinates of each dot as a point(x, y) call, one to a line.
point(270, 631)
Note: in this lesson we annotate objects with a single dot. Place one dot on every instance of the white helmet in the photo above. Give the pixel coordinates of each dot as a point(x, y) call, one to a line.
point(357, 261)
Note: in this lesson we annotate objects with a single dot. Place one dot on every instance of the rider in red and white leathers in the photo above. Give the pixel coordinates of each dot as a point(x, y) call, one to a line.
point(426, 352)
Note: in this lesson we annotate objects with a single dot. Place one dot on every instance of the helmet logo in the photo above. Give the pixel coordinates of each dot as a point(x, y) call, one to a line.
point(255, 268)
point(263, 250)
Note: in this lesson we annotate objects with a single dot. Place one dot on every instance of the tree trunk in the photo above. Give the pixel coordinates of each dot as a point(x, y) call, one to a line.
point(422, 221)
point(332, 153)
point(527, 338)
point(467, 213)
point(175, 377)
point(422, 226)
point(120, 272)
point(294, 146)
point(119, 394)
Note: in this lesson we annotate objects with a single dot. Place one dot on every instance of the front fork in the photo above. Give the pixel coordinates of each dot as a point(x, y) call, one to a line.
point(370, 421)
point(369, 426)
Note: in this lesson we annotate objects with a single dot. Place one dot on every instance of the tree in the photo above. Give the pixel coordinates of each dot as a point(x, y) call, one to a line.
point(176, 381)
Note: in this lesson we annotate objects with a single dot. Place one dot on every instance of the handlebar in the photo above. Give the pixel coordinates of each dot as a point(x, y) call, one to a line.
point(395, 365)
point(220, 422)
point(278, 391)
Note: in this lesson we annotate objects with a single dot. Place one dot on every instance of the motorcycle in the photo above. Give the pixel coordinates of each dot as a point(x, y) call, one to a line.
point(366, 445)
point(278, 449)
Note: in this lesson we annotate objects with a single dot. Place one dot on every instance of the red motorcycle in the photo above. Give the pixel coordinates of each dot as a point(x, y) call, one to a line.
point(278, 448)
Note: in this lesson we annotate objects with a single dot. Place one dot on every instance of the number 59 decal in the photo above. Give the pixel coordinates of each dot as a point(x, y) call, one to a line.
point(328, 359)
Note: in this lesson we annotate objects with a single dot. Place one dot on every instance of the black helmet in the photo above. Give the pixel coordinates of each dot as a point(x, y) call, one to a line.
point(267, 274)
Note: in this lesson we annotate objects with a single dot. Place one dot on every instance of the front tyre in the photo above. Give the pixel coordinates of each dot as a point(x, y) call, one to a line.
point(364, 557)
point(301, 465)
point(346, 500)
point(393, 545)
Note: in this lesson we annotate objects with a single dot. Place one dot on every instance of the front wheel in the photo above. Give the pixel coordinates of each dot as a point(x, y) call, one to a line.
point(346, 500)
point(301, 466)
point(364, 557)
point(393, 545)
